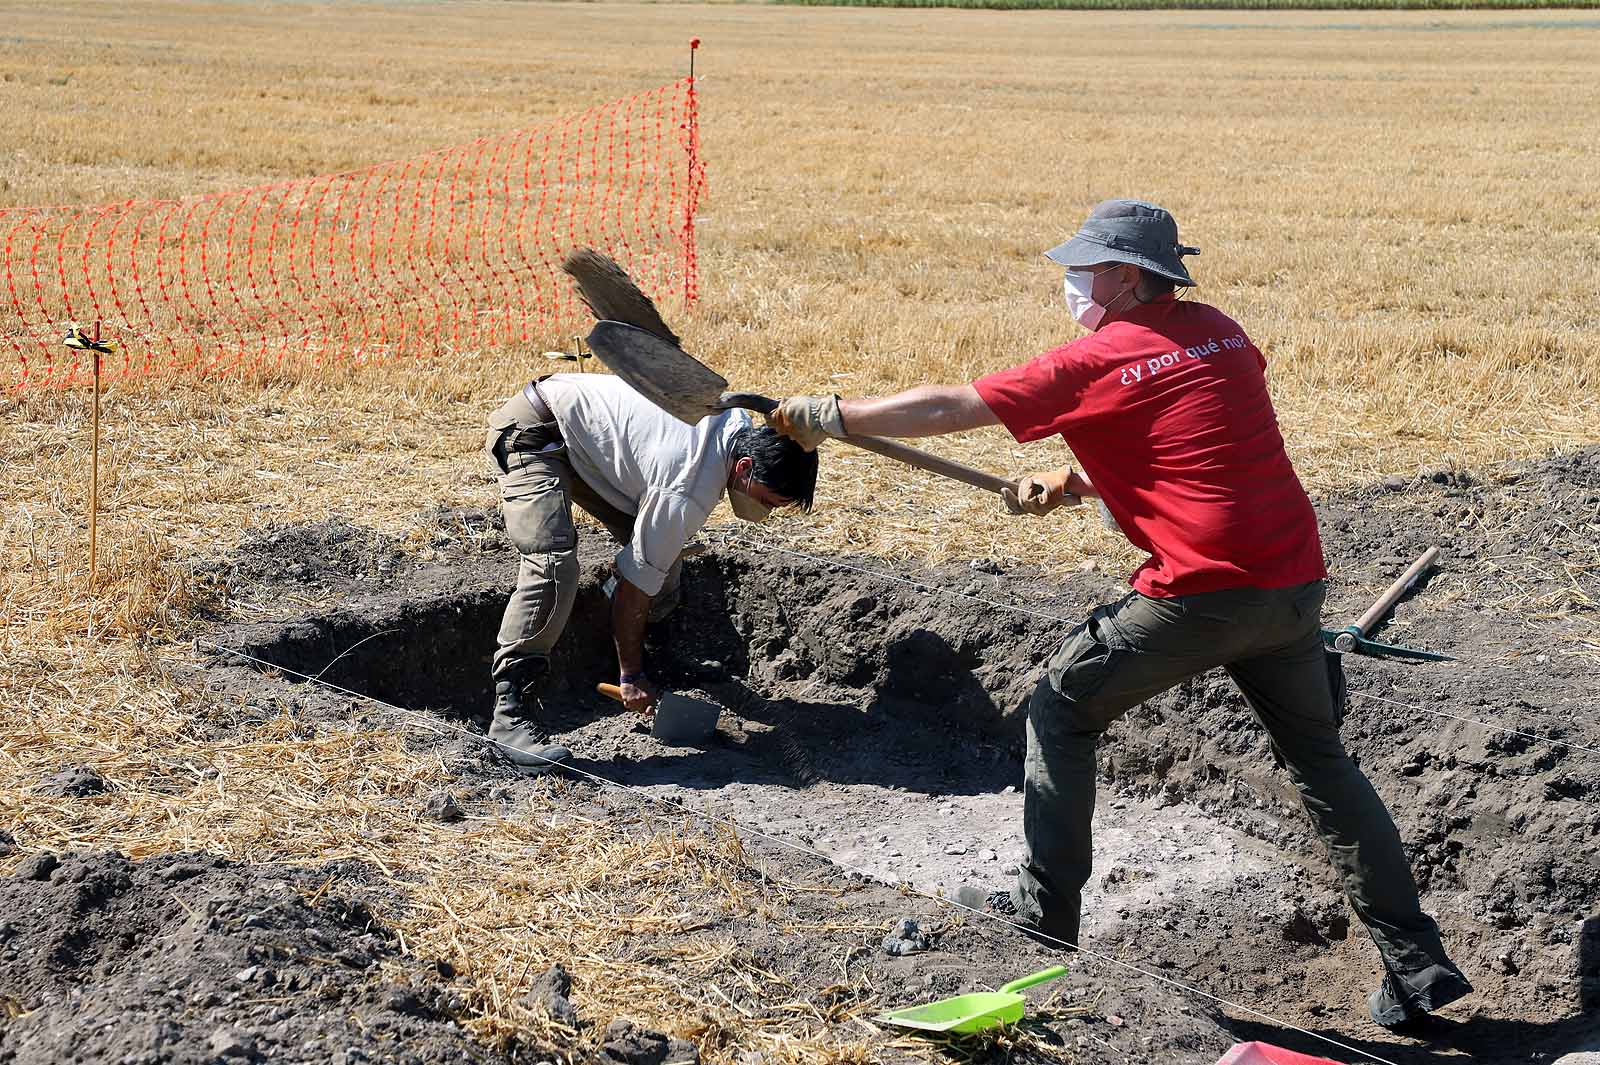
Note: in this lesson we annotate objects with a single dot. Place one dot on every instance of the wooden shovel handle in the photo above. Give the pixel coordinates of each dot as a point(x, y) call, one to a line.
point(610, 691)
point(944, 467)
point(893, 449)
point(1388, 599)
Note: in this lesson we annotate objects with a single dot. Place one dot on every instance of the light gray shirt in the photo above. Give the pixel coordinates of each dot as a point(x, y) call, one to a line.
point(642, 460)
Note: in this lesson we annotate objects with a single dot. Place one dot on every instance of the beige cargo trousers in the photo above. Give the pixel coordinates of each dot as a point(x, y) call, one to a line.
point(537, 489)
point(1270, 643)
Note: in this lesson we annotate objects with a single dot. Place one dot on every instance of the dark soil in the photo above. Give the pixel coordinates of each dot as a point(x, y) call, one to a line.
point(881, 725)
point(187, 958)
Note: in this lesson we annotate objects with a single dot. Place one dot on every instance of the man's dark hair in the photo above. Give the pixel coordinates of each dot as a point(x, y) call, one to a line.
point(1152, 286)
point(779, 463)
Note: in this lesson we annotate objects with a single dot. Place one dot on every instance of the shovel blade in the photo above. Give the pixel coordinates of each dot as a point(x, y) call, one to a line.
point(684, 721)
point(964, 1013)
point(659, 370)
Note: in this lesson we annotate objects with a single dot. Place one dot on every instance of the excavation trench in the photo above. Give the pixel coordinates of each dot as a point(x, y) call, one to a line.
point(881, 725)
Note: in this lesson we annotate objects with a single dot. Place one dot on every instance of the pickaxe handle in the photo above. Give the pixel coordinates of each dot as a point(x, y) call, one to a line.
point(1346, 640)
point(894, 449)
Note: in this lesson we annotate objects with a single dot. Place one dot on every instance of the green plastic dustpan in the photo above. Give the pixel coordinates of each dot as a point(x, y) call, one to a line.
point(972, 1013)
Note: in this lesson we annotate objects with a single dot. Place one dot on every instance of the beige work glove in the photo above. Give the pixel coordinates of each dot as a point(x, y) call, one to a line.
point(808, 420)
point(1037, 493)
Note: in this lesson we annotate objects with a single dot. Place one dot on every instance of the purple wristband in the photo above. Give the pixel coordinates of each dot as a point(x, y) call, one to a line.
point(631, 678)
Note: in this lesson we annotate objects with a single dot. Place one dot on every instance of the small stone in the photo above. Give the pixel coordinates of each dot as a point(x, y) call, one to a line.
point(1009, 789)
point(956, 848)
point(550, 992)
point(245, 976)
point(8, 844)
point(1010, 869)
point(1115, 1020)
point(38, 867)
point(626, 1043)
point(442, 807)
point(73, 782)
point(182, 871)
point(232, 1045)
point(988, 856)
point(905, 938)
point(402, 1000)
point(1507, 964)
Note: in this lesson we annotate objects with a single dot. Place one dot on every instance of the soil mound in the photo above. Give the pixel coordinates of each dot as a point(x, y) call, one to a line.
point(191, 959)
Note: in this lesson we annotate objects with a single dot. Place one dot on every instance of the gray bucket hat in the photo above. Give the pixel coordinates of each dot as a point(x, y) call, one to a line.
point(1128, 231)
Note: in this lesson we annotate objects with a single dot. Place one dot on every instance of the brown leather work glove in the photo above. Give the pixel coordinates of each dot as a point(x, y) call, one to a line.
point(1037, 493)
point(808, 420)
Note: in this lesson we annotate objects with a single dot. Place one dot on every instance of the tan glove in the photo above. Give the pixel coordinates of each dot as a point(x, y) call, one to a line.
point(1036, 494)
point(808, 420)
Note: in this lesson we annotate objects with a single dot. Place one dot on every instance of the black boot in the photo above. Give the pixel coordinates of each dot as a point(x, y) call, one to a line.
point(516, 730)
point(1402, 1000)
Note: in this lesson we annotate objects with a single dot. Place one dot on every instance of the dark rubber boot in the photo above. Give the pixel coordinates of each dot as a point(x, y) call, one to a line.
point(1400, 1000)
point(517, 733)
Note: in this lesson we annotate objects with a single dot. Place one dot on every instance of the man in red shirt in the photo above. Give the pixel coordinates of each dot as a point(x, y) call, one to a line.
point(1165, 404)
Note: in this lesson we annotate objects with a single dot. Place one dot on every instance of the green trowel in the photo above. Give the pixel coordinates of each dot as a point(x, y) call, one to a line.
point(974, 1012)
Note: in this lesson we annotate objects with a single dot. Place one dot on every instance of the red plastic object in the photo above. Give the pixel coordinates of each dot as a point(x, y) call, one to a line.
point(1267, 1054)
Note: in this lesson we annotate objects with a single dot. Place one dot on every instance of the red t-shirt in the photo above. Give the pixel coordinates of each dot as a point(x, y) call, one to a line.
point(1168, 412)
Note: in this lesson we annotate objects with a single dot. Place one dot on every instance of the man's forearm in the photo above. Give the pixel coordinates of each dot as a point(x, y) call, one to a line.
point(1076, 483)
point(630, 609)
point(928, 410)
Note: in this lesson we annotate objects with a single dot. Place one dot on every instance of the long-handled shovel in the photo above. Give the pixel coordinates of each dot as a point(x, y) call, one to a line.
point(689, 390)
point(637, 345)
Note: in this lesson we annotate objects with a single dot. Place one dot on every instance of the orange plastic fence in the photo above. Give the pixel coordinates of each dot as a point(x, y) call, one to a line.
point(447, 253)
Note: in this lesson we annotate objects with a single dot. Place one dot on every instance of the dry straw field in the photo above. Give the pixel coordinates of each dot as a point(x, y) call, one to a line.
point(1401, 208)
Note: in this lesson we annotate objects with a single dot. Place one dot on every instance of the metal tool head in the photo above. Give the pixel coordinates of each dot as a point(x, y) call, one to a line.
point(659, 370)
point(1351, 641)
point(684, 720)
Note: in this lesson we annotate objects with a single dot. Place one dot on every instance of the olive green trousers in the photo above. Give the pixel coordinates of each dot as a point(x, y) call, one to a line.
point(1269, 641)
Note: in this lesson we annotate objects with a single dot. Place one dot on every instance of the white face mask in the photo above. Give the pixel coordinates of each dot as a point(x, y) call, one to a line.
point(1078, 286)
point(747, 507)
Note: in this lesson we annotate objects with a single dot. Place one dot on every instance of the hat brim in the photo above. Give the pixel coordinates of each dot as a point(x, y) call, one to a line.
point(1078, 253)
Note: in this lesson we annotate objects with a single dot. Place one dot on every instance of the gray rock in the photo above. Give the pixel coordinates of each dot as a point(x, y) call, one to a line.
point(8, 844)
point(550, 992)
point(73, 782)
point(230, 1044)
point(905, 938)
point(442, 807)
point(38, 867)
point(626, 1043)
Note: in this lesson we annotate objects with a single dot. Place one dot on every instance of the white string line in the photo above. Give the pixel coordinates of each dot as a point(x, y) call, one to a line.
point(893, 578)
point(729, 822)
point(1475, 721)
